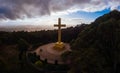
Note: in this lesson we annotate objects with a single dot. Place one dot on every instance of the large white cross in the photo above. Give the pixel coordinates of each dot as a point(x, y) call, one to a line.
point(59, 25)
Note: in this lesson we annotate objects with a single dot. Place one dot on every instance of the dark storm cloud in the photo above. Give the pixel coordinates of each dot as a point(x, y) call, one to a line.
point(7, 13)
point(15, 9)
point(57, 5)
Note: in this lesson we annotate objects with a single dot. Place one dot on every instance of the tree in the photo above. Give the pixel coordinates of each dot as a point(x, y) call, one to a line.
point(98, 46)
point(38, 63)
point(0, 42)
point(22, 47)
point(3, 67)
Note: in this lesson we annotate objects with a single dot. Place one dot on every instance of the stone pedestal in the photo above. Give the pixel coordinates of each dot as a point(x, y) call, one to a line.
point(59, 46)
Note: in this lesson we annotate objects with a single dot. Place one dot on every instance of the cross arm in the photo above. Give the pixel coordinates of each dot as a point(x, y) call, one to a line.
point(55, 25)
point(63, 25)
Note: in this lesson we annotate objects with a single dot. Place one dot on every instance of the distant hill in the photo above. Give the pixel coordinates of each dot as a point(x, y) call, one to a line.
point(114, 14)
point(104, 30)
point(97, 47)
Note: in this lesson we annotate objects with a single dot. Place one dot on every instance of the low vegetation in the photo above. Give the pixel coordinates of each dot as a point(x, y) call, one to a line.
point(97, 47)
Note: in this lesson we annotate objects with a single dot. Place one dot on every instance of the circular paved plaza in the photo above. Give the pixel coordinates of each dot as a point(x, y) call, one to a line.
point(46, 52)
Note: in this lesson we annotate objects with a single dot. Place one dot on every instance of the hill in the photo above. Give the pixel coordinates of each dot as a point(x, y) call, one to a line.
point(12, 45)
point(97, 47)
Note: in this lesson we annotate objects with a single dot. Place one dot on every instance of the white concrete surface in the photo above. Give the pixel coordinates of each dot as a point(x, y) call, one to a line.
point(50, 54)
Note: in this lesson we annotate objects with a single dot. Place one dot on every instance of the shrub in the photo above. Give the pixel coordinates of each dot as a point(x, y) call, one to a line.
point(38, 63)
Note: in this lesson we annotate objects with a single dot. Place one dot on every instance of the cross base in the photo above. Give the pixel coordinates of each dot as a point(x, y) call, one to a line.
point(59, 46)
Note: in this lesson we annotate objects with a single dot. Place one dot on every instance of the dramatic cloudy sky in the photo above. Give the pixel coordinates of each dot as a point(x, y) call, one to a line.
point(44, 13)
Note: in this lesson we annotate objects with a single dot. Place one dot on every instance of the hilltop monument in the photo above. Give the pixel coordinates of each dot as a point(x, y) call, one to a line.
point(52, 52)
point(59, 45)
